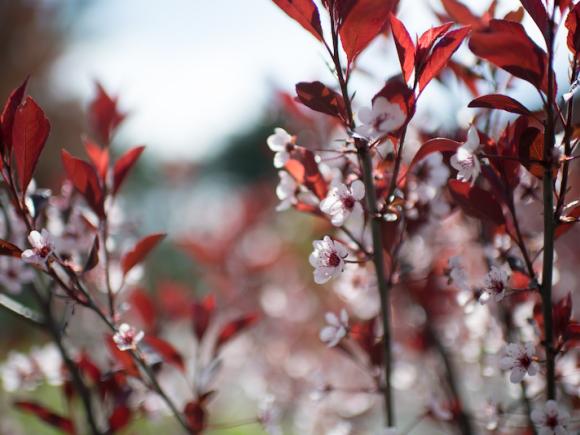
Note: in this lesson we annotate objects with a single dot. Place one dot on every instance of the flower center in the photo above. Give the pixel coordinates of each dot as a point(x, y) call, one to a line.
point(44, 251)
point(333, 259)
point(496, 286)
point(348, 202)
point(525, 361)
point(467, 162)
point(552, 421)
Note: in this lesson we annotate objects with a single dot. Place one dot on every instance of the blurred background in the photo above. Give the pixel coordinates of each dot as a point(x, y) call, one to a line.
point(204, 84)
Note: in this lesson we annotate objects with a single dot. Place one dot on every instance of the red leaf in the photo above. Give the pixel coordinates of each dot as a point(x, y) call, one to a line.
point(166, 351)
point(573, 39)
point(7, 118)
point(428, 39)
point(305, 13)
point(397, 91)
point(140, 251)
point(461, 14)
point(202, 313)
point(440, 55)
point(434, 146)
point(233, 328)
point(93, 258)
point(465, 75)
point(99, 157)
point(562, 313)
point(196, 416)
point(531, 149)
point(507, 45)
point(303, 167)
point(29, 133)
point(124, 165)
point(405, 47)
point(9, 250)
point(476, 202)
point(120, 418)
point(501, 102)
point(123, 358)
point(88, 367)
point(538, 13)
point(320, 98)
point(366, 19)
point(84, 178)
point(141, 301)
point(104, 116)
point(51, 418)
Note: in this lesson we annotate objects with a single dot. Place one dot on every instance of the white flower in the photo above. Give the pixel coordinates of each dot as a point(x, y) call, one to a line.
point(341, 201)
point(269, 416)
point(42, 247)
point(19, 372)
point(431, 175)
point(336, 328)
point(439, 410)
point(550, 420)
point(495, 284)
point(456, 273)
point(383, 118)
point(327, 259)
point(281, 143)
point(573, 88)
point(13, 274)
point(465, 159)
point(519, 358)
point(390, 431)
point(127, 337)
point(286, 191)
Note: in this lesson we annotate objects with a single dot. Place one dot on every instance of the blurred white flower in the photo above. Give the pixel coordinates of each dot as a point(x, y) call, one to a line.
point(465, 160)
point(495, 284)
point(127, 337)
point(390, 431)
point(14, 273)
point(431, 175)
point(280, 142)
point(286, 191)
point(42, 246)
point(327, 259)
point(341, 201)
point(456, 273)
point(550, 420)
point(384, 117)
point(19, 373)
point(269, 416)
point(336, 328)
point(519, 358)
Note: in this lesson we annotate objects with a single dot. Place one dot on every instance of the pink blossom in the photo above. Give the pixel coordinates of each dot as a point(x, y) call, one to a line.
point(465, 159)
point(42, 247)
point(550, 420)
point(519, 358)
point(327, 259)
point(495, 285)
point(342, 201)
point(127, 337)
point(384, 117)
point(336, 328)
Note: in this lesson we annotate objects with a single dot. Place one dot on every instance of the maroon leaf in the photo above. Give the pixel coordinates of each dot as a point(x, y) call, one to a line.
point(120, 418)
point(465, 75)
point(366, 19)
point(49, 417)
point(93, 258)
point(303, 167)
point(88, 368)
point(122, 358)
point(196, 416)
point(140, 251)
point(428, 39)
point(9, 250)
point(104, 116)
point(405, 47)
point(476, 202)
point(506, 44)
point(319, 97)
point(440, 55)
point(501, 102)
point(141, 301)
point(397, 91)
point(202, 313)
point(99, 157)
point(531, 150)
point(538, 13)
point(124, 165)
point(29, 133)
point(460, 13)
point(305, 13)
point(7, 118)
point(165, 350)
point(233, 328)
point(573, 38)
point(434, 146)
point(84, 178)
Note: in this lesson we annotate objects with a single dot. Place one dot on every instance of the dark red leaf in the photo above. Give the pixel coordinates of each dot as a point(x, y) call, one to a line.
point(233, 328)
point(10, 250)
point(366, 19)
point(434, 146)
point(165, 350)
point(141, 301)
point(120, 418)
point(201, 313)
point(7, 118)
point(538, 13)
point(88, 368)
point(573, 38)
point(29, 133)
point(140, 251)
point(303, 167)
point(397, 91)
point(104, 116)
point(319, 97)
point(516, 16)
point(196, 416)
point(49, 417)
point(122, 358)
point(507, 45)
point(99, 157)
point(531, 150)
point(427, 40)
point(305, 13)
point(405, 47)
point(440, 55)
point(461, 14)
point(465, 75)
point(93, 258)
point(476, 202)
point(84, 178)
point(501, 102)
point(124, 165)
